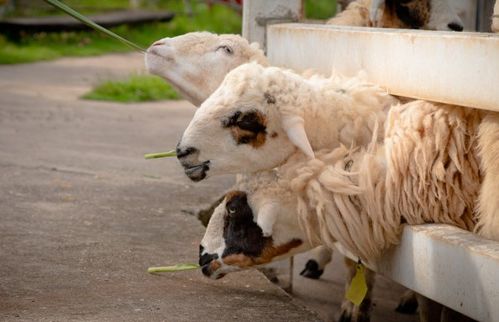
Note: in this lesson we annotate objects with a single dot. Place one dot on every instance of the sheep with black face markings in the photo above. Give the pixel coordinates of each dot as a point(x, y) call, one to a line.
point(259, 116)
point(427, 171)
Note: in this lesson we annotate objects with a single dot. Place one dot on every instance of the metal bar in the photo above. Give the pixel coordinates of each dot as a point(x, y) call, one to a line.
point(447, 67)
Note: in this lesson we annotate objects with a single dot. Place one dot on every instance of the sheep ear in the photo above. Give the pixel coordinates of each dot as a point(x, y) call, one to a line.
point(295, 129)
point(373, 12)
point(266, 218)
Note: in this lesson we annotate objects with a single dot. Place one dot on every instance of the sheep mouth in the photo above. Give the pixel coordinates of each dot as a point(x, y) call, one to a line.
point(211, 272)
point(159, 52)
point(197, 172)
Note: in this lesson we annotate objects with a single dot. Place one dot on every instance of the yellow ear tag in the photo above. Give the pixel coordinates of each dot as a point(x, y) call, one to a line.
point(358, 287)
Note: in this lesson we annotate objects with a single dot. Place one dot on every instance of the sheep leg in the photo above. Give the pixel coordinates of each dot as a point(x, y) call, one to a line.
point(321, 256)
point(408, 303)
point(349, 311)
point(488, 141)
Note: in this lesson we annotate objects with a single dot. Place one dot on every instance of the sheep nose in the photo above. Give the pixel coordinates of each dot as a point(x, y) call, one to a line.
point(158, 43)
point(205, 259)
point(455, 26)
point(184, 152)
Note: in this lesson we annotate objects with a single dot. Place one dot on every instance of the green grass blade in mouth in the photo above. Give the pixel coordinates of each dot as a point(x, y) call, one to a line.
point(174, 268)
point(61, 6)
point(168, 154)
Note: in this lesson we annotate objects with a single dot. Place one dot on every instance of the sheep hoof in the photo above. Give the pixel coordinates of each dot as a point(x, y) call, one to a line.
point(312, 270)
point(407, 306)
point(346, 316)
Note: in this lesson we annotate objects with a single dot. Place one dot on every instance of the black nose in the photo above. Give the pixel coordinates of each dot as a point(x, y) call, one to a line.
point(455, 26)
point(206, 258)
point(182, 153)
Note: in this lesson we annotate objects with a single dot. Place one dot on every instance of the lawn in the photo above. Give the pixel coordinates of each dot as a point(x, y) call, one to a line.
point(137, 88)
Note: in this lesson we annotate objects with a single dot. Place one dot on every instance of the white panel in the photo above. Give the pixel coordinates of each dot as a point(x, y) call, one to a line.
point(449, 265)
point(448, 67)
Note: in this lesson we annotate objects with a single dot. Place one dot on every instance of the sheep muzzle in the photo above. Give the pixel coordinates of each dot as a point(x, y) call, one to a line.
point(188, 157)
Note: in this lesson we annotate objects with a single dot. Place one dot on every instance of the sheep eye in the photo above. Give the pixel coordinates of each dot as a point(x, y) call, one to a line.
point(244, 140)
point(232, 210)
point(228, 50)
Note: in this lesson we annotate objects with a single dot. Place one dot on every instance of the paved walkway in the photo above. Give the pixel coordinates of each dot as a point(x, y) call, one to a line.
point(82, 215)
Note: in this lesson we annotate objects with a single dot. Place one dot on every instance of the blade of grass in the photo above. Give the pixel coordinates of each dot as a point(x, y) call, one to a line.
point(73, 13)
point(168, 154)
point(174, 268)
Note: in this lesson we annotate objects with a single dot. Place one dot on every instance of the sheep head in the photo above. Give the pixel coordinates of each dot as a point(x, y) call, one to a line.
point(196, 63)
point(247, 231)
point(246, 125)
point(416, 14)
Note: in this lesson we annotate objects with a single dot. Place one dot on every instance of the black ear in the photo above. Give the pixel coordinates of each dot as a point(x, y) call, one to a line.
point(237, 205)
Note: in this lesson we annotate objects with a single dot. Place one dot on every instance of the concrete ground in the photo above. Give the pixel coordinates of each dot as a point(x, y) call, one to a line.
point(82, 215)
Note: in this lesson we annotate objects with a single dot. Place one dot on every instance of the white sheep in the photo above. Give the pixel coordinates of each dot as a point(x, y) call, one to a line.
point(427, 171)
point(197, 62)
point(259, 116)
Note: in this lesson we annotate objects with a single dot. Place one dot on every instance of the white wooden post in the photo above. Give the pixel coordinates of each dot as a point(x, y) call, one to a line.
point(448, 67)
point(257, 14)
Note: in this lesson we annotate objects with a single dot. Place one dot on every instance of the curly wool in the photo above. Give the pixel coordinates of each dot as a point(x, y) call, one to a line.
point(433, 172)
point(427, 173)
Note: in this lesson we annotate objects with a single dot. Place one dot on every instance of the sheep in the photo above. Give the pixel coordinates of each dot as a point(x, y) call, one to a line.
point(260, 115)
point(357, 198)
point(413, 14)
point(197, 62)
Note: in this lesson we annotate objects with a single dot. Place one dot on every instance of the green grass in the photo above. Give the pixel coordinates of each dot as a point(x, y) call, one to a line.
point(137, 88)
point(320, 9)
